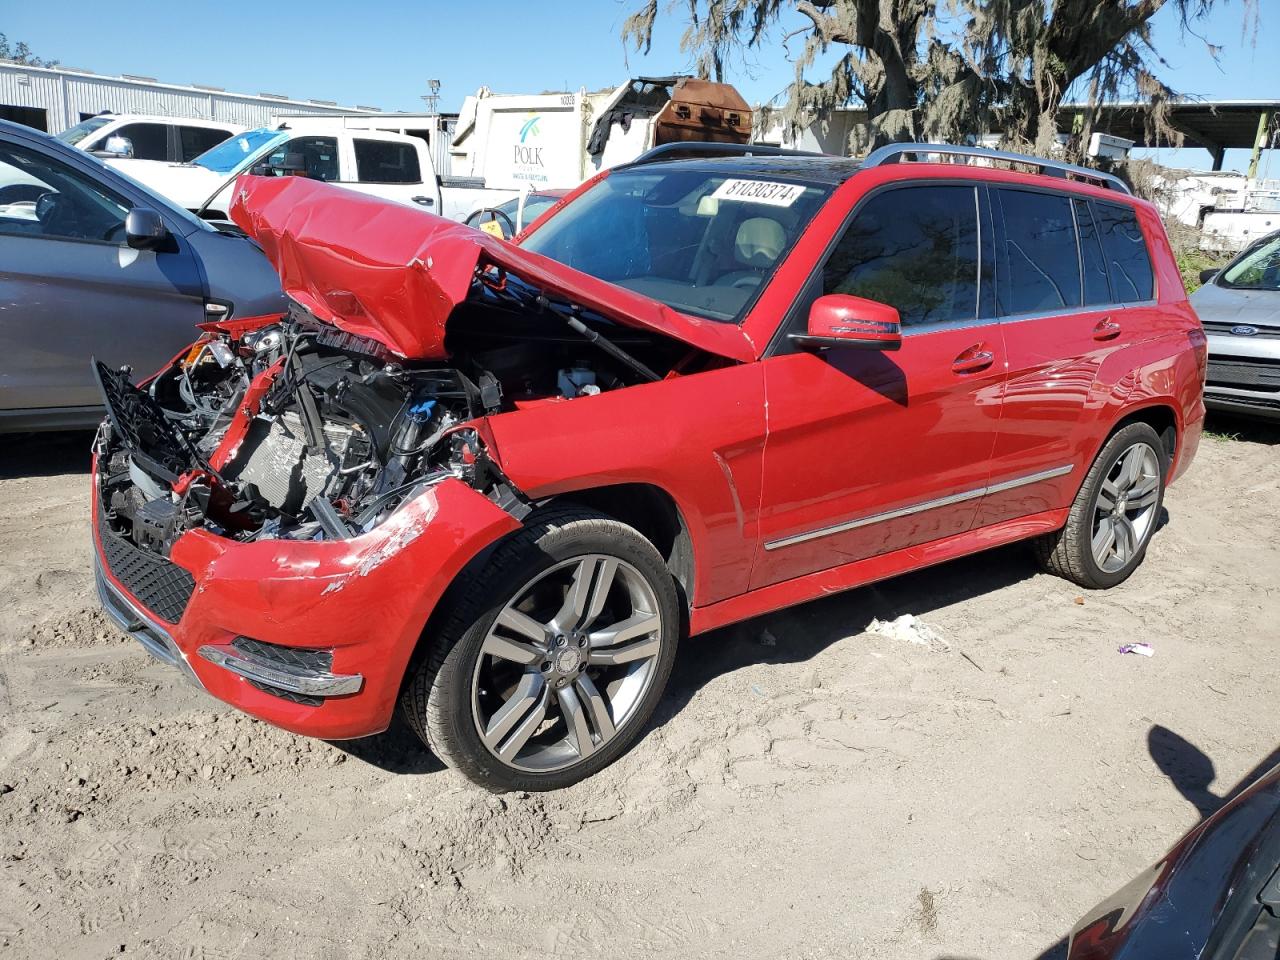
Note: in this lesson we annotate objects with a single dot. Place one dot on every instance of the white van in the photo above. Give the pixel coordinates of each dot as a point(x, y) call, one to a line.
point(143, 137)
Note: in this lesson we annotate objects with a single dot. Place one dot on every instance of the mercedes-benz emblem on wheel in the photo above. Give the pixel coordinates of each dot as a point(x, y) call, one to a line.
point(1244, 330)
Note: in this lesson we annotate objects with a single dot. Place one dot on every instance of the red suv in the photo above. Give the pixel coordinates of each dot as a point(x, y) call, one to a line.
point(496, 483)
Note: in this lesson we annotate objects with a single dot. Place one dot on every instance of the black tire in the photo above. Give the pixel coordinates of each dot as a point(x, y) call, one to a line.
point(1068, 552)
point(438, 701)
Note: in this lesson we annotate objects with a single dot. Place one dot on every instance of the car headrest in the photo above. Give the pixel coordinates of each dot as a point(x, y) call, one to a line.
point(759, 242)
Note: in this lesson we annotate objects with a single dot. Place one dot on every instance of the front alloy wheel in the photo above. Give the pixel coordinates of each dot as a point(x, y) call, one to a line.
point(566, 663)
point(553, 657)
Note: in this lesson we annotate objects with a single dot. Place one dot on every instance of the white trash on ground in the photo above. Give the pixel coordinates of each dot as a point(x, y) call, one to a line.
point(1141, 649)
point(909, 629)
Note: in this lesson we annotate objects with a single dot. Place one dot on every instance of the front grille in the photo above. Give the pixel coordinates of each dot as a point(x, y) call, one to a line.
point(1245, 374)
point(160, 585)
point(1264, 333)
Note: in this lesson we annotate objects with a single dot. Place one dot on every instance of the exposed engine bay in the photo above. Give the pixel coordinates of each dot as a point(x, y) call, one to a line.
point(299, 430)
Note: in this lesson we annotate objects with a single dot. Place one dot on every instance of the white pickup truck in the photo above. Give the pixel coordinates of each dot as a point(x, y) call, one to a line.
point(390, 165)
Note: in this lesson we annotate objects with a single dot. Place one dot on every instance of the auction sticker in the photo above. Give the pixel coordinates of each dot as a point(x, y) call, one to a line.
point(759, 191)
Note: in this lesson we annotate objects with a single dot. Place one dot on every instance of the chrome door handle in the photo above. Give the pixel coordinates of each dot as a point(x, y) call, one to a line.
point(1107, 329)
point(973, 362)
point(424, 201)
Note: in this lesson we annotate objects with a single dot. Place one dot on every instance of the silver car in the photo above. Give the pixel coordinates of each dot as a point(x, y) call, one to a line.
point(1240, 309)
point(93, 264)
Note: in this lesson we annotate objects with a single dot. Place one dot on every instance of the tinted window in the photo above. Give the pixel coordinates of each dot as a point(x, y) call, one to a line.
point(1128, 262)
point(1096, 287)
point(150, 140)
point(914, 249)
point(319, 156)
point(193, 141)
point(379, 161)
point(44, 198)
point(1040, 259)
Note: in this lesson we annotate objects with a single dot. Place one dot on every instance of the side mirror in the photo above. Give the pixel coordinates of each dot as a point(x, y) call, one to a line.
point(119, 148)
point(839, 320)
point(144, 230)
point(1207, 275)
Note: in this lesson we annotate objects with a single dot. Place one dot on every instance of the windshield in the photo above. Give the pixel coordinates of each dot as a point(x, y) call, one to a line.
point(1256, 269)
point(695, 238)
point(234, 153)
point(74, 135)
point(535, 205)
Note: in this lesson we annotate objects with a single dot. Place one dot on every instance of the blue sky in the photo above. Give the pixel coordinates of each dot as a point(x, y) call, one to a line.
point(383, 53)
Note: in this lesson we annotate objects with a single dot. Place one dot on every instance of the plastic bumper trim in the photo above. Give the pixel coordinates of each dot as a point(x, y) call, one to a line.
point(310, 683)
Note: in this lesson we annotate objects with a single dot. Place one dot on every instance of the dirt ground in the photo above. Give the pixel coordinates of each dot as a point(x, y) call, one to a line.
point(808, 789)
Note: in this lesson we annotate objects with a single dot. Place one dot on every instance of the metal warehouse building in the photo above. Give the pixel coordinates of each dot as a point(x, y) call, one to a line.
point(54, 98)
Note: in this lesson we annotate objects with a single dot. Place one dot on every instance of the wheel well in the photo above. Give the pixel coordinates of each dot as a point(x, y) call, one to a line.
point(1161, 419)
point(653, 512)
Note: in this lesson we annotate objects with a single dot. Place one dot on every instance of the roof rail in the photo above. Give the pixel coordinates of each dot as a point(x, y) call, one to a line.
point(688, 149)
point(894, 152)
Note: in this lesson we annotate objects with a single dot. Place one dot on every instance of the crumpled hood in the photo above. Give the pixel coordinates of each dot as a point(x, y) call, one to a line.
point(382, 270)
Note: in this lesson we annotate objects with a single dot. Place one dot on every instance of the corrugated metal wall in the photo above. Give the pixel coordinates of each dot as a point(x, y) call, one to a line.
point(64, 95)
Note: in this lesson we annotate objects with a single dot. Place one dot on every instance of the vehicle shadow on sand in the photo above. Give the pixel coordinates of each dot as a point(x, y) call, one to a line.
point(45, 454)
point(1248, 429)
point(396, 750)
point(801, 633)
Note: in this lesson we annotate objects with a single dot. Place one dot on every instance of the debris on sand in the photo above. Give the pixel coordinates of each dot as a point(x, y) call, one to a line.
point(1141, 649)
point(909, 629)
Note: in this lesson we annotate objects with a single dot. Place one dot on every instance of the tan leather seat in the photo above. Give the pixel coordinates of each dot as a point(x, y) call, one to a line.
point(757, 246)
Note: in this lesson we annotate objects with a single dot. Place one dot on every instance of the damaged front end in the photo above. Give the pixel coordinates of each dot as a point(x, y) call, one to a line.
point(294, 430)
point(279, 511)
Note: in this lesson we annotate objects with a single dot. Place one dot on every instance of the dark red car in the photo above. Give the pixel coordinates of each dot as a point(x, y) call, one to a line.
point(497, 483)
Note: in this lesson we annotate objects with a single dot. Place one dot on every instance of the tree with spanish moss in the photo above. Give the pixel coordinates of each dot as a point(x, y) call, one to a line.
point(941, 70)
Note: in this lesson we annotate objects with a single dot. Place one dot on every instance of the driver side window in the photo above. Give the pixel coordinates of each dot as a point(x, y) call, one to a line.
point(319, 156)
point(41, 197)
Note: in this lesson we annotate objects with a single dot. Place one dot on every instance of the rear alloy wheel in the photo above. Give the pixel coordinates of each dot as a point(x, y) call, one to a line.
point(560, 657)
point(1114, 514)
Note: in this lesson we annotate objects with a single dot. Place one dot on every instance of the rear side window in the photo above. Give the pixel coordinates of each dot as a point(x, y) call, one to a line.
point(193, 141)
point(915, 249)
point(1128, 262)
point(1097, 289)
point(380, 161)
point(1040, 257)
point(150, 140)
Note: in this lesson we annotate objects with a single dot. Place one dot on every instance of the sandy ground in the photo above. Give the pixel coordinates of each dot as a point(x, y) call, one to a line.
point(808, 789)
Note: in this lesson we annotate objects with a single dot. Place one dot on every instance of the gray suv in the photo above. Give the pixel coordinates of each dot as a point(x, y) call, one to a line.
point(1240, 309)
point(93, 264)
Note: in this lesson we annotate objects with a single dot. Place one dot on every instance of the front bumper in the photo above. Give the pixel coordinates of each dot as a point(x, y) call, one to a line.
point(360, 605)
point(1244, 374)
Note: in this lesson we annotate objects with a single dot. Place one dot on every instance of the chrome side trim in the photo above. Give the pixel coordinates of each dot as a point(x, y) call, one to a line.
point(310, 683)
point(946, 501)
point(1050, 474)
